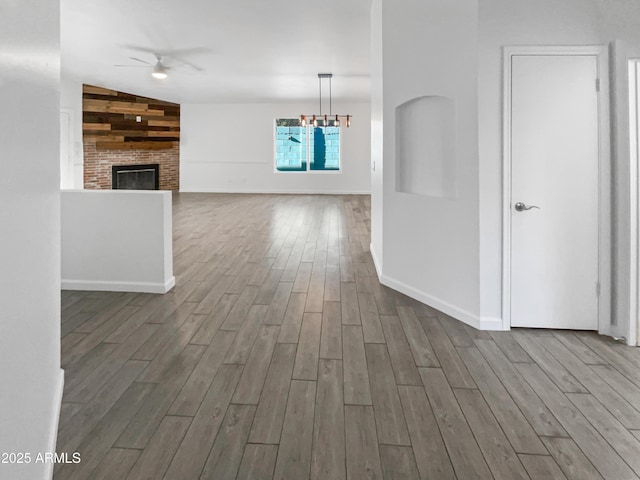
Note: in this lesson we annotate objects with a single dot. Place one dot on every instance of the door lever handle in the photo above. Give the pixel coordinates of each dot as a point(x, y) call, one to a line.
point(521, 207)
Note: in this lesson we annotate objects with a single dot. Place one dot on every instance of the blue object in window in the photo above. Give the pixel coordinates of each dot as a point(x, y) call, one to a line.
point(291, 149)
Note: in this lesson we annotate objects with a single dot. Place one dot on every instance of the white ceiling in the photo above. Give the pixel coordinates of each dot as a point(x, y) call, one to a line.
point(248, 50)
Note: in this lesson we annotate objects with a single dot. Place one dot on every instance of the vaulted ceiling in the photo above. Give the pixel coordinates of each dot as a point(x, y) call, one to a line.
point(230, 51)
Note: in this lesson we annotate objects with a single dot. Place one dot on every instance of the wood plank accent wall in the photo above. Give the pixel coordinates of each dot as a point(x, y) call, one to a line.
point(110, 119)
point(113, 136)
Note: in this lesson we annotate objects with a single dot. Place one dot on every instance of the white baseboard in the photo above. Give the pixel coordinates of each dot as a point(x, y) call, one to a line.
point(169, 284)
point(274, 192)
point(455, 312)
point(475, 321)
point(376, 262)
point(55, 420)
point(111, 286)
point(493, 324)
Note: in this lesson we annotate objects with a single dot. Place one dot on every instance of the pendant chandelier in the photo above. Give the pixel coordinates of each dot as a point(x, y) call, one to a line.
point(329, 120)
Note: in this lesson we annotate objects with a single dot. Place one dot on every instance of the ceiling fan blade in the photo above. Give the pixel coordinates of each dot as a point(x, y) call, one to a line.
point(169, 58)
point(141, 61)
point(178, 62)
point(169, 52)
point(132, 66)
point(191, 66)
point(186, 51)
point(140, 49)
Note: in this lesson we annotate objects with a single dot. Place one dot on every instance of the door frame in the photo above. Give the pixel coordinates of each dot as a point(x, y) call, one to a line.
point(604, 181)
point(634, 218)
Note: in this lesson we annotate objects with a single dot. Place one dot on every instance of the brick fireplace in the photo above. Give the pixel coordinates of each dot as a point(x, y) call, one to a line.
point(98, 165)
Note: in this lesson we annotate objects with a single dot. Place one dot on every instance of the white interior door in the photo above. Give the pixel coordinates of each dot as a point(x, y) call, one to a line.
point(554, 166)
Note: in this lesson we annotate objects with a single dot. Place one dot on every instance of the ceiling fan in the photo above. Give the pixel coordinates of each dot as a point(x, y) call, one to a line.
point(159, 67)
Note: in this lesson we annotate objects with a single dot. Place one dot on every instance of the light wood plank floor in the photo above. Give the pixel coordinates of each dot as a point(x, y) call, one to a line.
point(279, 355)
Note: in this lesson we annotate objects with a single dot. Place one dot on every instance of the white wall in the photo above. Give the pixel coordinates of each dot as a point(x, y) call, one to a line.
point(117, 240)
point(431, 244)
point(71, 100)
point(230, 148)
point(550, 22)
point(30, 377)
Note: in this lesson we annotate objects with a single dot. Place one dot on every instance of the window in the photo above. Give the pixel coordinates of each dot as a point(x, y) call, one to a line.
point(301, 149)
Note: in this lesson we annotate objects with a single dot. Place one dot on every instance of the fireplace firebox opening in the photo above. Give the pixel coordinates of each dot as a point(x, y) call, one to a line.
point(135, 177)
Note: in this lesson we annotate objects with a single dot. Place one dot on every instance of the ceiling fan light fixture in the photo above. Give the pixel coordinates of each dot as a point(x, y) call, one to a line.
point(159, 71)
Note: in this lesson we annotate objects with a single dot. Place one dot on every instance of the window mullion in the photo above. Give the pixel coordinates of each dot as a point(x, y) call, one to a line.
point(308, 148)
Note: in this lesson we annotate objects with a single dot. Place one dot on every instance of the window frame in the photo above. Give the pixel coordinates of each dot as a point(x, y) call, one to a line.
point(308, 169)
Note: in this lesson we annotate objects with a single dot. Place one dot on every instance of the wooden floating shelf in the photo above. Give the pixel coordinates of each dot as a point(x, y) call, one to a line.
point(118, 120)
point(132, 139)
point(100, 145)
